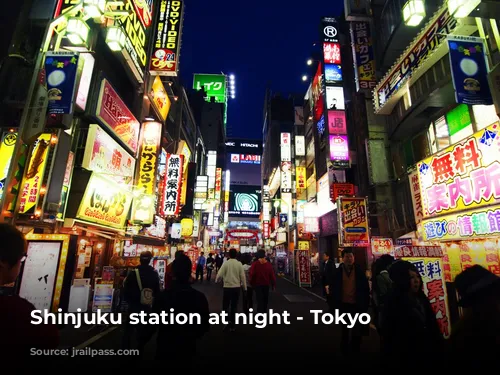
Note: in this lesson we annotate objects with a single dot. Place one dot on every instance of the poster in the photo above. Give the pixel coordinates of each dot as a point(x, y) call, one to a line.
point(353, 219)
point(38, 279)
point(103, 297)
point(61, 69)
point(304, 267)
point(364, 64)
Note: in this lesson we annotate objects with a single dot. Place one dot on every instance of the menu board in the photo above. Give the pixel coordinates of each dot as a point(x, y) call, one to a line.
point(39, 273)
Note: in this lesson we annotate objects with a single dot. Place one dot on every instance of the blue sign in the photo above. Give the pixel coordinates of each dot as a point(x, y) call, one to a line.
point(283, 220)
point(469, 70)
point(333, 73)
point(61, 70)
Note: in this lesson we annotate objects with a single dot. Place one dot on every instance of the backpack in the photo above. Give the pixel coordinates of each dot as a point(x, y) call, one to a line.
point(146, 293)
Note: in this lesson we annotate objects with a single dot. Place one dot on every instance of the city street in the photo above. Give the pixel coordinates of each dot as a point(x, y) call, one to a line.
point(310, 341)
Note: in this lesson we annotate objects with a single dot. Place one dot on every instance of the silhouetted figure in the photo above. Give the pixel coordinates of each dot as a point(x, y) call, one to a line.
point(200, 266)
point(327, 276)
point(210, 266)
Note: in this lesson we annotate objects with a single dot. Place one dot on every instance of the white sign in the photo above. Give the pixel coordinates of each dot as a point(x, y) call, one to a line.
point(335, 97)
point(286, 175)
point(325, 204)
point(85, 79)
point(235, 158)
point(286, 149)
point(300, 145)
point(173, 184)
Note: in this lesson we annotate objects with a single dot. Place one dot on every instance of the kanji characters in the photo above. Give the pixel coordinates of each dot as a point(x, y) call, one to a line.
point(174, 162)
point(494, 220)
point(173, 173)
point(480, 223)
point(435, 290)
point(433, 269)
point(420, 267)
point(465, 226)
point(437, 199)
point(467, 155)
point(442, 168)
point(460, 188)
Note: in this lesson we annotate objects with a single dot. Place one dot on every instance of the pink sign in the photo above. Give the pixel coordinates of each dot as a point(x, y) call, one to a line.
point(336, 122)
point(115, 115)
point(339, 147)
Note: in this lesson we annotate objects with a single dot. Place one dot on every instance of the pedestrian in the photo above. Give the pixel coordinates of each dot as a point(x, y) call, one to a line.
point(248, 296)
point(210, 266)
point(200, 266)
point(175, 339)
point(140, 289)
point(262, 278)
point(327, 276)
point(233, 275)
point(351, 295)
point(219, 259)
point(478, 331)
point(408, 318)
point(381, 287)
point(169, 273)
point(18, 336)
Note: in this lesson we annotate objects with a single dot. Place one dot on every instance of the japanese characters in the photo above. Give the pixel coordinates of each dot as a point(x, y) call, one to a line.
point(173, 185)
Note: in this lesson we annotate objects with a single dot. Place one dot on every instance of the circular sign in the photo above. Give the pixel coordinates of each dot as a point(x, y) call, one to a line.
point(199, 244)
point(330, 31)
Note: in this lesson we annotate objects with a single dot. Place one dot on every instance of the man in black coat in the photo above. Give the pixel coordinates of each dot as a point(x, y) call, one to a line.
point(327, 277)
point(351, 294)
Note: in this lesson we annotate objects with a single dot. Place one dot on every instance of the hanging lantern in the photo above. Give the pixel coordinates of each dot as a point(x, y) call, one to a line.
point(94, 8)
point(77, 31)
point(462, 8)
point(115, 38)
point(414, 12)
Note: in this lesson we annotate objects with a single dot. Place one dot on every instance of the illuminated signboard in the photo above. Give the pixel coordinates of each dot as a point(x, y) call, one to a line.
point(333, 73)
point(337, 122)
point(159, 98)
point(213, 84)
point(334, 97)
point(463, 176)
point(245, 159)
point(353, 219)
point(331, 53)
point(245, 201)
point(300, 145)
point(364, 57)
point(329, 31)
point(144, 9)
point(173, 185)
point(105, 202)
point(85, 79)
point(8, 141)
point(151, 137)
point(339, 148)
point(167, 38)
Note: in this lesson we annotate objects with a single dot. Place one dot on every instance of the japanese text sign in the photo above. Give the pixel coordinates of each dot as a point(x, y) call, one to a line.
point(167, 38)
point(104, 155)
point(463, 176)
point(339, 148)
point(337, 122)
point(159, 98)
point(105, 202)
point(364, 64)
point(151, 137)
point(341, 189)
point(213, 84)
point(354, 228)
point(266, 229)
point(311, 224)
point(304, 267)
point(32, 180)
point(431, 271)
point(331, 53)
point(416, 196)
point(381, 246)
point(286, 147)
point(418, 251)
point(218, 183)
point(115, 115)
point(300, 174)
point(61, 70)
point(173, 185)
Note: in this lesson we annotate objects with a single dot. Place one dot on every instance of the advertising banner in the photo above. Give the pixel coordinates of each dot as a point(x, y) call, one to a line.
point(329, 32)
point(381, 246)
point(115, 115)
point(300, 145)
point(333, 73)
point(364, 57)
point(151, 138)
point(311, 225)
point(167, 38)
point(61, 70)
point(33, 177)
point(339, 149)
point(266, 229)
point(301, 182)
point(418, 251)
point(331, 53)
point(337, 122)
point(85, 79)
point(218, 183)
point(104, 155)
point(341, 189)
point(286, 147)
point(354, 230)
point(214, 85)
point(286, 176)
point(304, 267)
point(463, 176)
point(173, 185)
point(159, 98)
point(7, 144)
point(335, 97)
point(105, 202)
point(144, 9)
point(416, 196)
point(469, 70)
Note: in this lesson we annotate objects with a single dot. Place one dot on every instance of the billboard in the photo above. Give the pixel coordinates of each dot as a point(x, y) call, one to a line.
point(337, 122)
point(245, 201)
point(159, 98)
point(333, 73)
point(167, 38)
point(215, 85)
point(335, 97)
point(61, 70)
point(339, 148)
point(363, 55)
point(331, 53)
point(353, 218)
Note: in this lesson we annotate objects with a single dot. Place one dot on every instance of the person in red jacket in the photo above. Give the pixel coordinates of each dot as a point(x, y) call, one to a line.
point(262, 277)
point(18, 335)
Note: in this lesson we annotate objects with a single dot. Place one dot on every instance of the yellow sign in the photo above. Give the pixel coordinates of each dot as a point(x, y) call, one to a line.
point(301, 180)
point(159, 98)
point(32, 180)
point(463, 176)
point(303, 245)
point(105, 203)
point(187, 226)
point(183, 149)
point(354, 229)
point(151, 134)
point(7, 145)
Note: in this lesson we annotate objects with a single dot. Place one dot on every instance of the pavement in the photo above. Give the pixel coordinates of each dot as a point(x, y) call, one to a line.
point(279, 345)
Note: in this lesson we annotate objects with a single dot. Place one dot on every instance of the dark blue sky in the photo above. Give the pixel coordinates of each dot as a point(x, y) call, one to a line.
point(257, 44)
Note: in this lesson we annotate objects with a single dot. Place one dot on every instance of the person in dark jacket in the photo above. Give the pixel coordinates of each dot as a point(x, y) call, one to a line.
point(262, 278)
point(17, 334)
point(408, 318)
point(210, 266)
point(180, 340)
point(132, 294)
point(219, 259)
point(327, 276)
point(381, 286)
point(351, 294)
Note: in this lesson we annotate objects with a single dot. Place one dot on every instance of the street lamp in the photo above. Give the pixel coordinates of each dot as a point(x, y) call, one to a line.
point(115, 38)
point(304, 78)
point(77, 31)
point(413, 12)
point(462, 8)
point(94, 8)
point(309, 62)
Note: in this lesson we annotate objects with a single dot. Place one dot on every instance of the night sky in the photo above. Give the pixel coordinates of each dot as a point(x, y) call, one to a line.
point(257, 45)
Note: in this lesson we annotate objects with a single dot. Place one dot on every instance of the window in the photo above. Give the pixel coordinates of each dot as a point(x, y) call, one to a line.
point(484, 115)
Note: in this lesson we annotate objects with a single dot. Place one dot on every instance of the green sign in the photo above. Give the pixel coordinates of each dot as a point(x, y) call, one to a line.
point(214, 85)
point(458, 119)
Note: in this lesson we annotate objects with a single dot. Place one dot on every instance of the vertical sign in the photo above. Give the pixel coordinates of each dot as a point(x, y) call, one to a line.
point(304, 265)
point(416, 197)
point(286, 163)
point(167, 39)
point(300, 145)
point(61, 69)
point(286, 151)
point(218, 183)
point(173, 182)
point(363, 56)
point(151, 134)
point(353, 219)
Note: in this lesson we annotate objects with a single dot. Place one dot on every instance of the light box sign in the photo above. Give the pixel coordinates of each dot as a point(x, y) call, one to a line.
point(337, 122)
point(331, 53)
point(144, 9)
point(173, 185)
point(245, 159)
point(213, 84)
point(463, 176)
point(105, 202)
point(335, 97)
point(8, 142)
point(33, 178)
point(354, 230)
point(286, 147)
point(329, 32)
point(151, 138)
point(381, 246)
point(104, 155)
point(364, 57)
point(416, 196)
point(301, 182)
point(85, 79)
point(167, 38)
point(115, 115)
point(61, 70)
point(333, 73)
point(159, 98)
point(300, 145)
point(143, 209)
point(286, 176)
point(339, 148)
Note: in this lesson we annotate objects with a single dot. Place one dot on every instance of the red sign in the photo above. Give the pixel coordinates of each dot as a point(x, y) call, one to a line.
point(336, 122)
point(338, 190)
point(302, 234)
point(331, 53)
point(381, 246)
point(266, 229)
point(144, 11)
point(304, 265)
point(419, 252)
point(115, 115)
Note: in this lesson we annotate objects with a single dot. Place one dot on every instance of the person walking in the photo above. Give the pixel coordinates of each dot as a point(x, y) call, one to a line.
point(219, 259)
point(248, 296)
point(210, 266)
point(351, 295)
point(233, 276)
point(327, 276)
point(262, 277)
point(381, 287)
point(200, 266)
